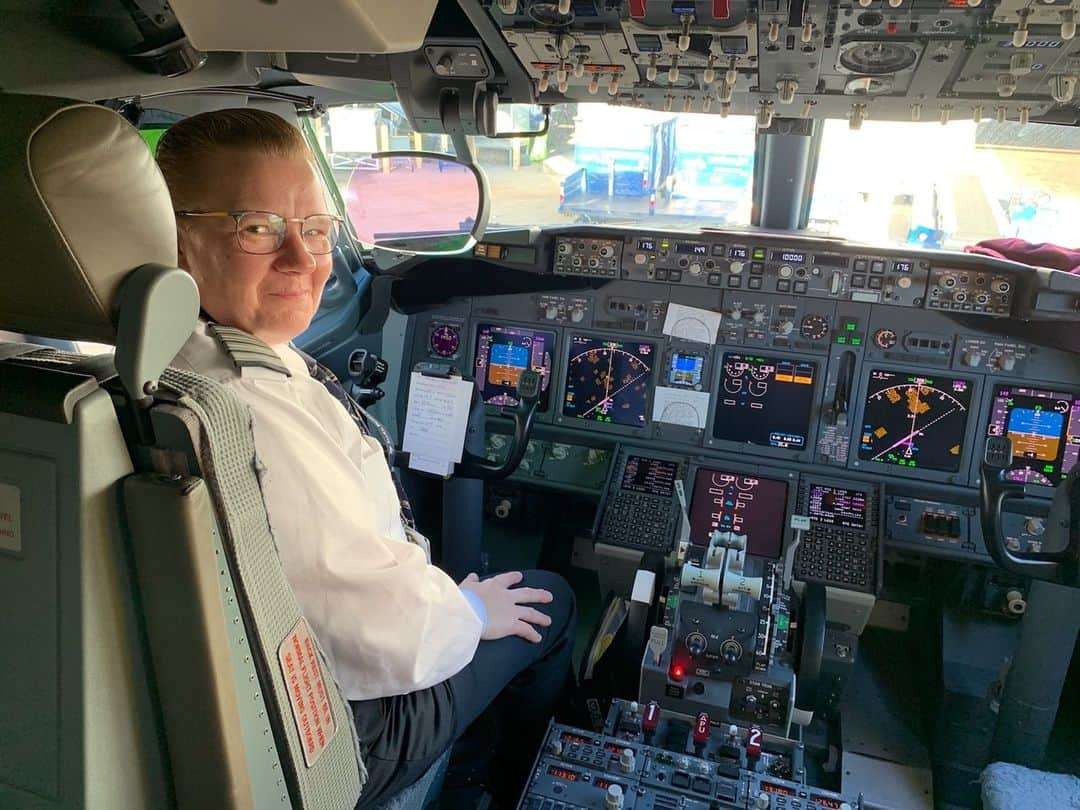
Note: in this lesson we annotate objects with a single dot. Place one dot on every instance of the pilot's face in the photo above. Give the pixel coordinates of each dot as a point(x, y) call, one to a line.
point(272, 296)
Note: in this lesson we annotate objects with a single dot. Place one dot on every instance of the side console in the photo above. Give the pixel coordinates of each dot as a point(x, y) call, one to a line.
point(650, 759)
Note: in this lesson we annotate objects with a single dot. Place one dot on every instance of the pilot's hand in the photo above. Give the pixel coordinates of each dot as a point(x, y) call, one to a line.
point(508, 613)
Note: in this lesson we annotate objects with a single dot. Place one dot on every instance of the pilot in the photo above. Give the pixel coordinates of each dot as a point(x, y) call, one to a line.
point(418, 656)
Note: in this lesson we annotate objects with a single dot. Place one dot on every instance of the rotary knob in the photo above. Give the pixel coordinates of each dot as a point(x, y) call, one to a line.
point(577, 314)
point(1036, 527)
point(758, 317)
point(626, 760)
point(613, 799)
point(731, 651)
point(734, 314)
point(696, 643)
point(551, 312)
point(785, 327)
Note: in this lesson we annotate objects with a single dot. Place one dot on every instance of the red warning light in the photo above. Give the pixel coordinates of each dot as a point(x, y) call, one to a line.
point(677, 672)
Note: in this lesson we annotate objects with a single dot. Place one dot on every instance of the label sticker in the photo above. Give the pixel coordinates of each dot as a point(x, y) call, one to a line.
point(307, 692)
point(10, 508)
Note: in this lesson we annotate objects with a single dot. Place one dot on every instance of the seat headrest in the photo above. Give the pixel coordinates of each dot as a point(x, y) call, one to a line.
point(83, 205)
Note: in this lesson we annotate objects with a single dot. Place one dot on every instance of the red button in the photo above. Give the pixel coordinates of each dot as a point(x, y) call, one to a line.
point(890, 27)
point(651, 718)
point(701, 729)
point(753, 742)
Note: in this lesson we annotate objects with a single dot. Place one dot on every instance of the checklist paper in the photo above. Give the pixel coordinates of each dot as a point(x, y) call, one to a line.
point(435, 422)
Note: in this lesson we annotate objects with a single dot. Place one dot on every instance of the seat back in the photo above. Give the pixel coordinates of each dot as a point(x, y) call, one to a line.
point(78, 725)
point(161, 658)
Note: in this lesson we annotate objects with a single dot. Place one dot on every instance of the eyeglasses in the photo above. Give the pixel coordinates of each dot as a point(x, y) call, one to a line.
point(262, 232)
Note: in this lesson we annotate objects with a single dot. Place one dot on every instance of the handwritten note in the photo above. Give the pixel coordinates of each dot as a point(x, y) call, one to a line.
point(692, 323)
point(435, 422)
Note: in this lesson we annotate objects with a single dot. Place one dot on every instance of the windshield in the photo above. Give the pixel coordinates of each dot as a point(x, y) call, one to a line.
point(597, 163)
point(935, 186)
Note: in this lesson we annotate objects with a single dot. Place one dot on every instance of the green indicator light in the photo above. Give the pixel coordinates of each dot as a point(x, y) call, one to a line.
point(1048, 468)
point(850, 326)
point(856, 341)
point(841, 339)
point(782, 621)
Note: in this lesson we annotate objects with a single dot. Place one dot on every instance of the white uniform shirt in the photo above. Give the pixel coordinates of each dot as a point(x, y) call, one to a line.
point(388, 621)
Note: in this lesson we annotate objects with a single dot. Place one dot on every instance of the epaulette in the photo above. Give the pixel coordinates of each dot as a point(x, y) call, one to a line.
point(246, 351)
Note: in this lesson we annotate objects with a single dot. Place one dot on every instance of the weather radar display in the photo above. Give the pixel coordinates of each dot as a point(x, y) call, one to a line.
point(1044, 428)
point(915, 421)
point(608, 380)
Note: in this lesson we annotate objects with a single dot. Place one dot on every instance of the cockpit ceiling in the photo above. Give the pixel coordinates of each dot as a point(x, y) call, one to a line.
point(876, 59)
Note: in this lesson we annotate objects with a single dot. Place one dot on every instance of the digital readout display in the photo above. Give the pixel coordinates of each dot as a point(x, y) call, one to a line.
point(783, 790)
point(903, 266)
point(692, 248)
point(789, 256)
point(738, 252)
point(604, 784)
point(831, 260)
point(837, 506)
point(652, 476)
point(562, 773)
point(826, 802)
point(647, 245)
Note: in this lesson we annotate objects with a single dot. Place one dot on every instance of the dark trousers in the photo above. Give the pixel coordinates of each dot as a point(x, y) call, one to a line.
point(401, 736)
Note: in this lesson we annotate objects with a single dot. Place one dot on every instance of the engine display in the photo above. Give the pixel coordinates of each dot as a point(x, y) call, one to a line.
point(502, 353)
point(915, 421)
point(1044, 427)
point(608, 380)
point(743, 504)
point(837, 506)
point(765, 401)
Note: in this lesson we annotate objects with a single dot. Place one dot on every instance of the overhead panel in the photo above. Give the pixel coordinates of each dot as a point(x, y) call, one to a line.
point(860, 59)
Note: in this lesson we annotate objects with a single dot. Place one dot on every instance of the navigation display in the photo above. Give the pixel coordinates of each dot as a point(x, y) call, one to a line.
point(608, 380)
point(765, 401)
point(837, 506)
point(1044, 427)
point(915, 421)
point(502, 353)
point(653, 476)
point(685, 369)
point(743, 504)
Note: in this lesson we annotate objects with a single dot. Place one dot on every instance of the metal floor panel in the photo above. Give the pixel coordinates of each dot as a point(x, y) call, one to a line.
point(880, 713)
point(887, 785)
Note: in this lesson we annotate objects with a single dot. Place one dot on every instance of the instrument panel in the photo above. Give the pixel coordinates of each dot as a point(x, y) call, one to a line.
point(874, 374)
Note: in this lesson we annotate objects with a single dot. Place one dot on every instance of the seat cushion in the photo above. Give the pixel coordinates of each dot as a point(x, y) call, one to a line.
point(423, 791)
point(1013, 787)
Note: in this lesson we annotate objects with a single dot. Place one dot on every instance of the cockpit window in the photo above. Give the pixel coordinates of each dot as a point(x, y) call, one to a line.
point(924, 184)
point(597, 163)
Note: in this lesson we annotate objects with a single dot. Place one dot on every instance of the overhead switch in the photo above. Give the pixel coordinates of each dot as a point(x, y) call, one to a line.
point(1006, 85)
point(786, 89)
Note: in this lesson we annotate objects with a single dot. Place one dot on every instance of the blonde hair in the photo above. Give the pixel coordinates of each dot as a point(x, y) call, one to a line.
point(186, 143)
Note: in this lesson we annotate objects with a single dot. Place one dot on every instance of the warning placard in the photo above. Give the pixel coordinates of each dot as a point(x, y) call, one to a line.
point(307, 691)
point(10, 529)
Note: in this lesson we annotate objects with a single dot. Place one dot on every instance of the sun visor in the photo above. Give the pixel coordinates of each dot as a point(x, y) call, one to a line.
point(328, 26)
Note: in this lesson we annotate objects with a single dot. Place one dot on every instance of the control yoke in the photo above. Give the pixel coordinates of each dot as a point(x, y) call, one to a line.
point(528, 393)
point(1061, 567)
